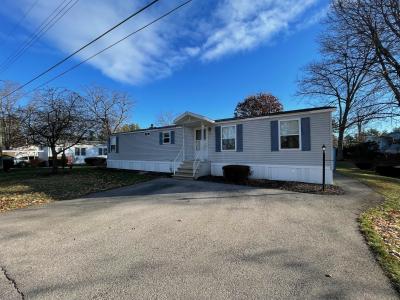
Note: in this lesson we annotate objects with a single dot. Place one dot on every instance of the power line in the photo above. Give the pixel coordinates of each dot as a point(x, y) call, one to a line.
point(46, 25)
point(110, 46)
point(85, 46)
point(27, 12)
point(33, 35)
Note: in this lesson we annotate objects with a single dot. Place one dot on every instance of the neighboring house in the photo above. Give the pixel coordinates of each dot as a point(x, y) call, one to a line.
point(382, 141)
point(393, 149)
point(25, 153)
point(395, 136)
point(79, 152)
point(281, 146)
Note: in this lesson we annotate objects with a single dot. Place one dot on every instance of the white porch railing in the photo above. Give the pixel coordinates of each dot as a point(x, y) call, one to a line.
point(196, 163)
point(176, 160)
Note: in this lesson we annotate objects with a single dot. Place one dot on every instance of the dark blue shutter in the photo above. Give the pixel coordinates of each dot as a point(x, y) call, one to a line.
point(305, 134)
point(109, 145)
point(160, 138)
point(117, 144)
point(172, 137)
point(274, 136)
point(218, 139)
point(239, 138)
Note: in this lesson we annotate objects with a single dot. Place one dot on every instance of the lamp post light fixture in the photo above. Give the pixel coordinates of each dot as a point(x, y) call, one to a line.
point(323, 167)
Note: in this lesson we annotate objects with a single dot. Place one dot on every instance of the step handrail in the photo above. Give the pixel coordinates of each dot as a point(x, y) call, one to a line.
point(175, 160)
point(196, 163)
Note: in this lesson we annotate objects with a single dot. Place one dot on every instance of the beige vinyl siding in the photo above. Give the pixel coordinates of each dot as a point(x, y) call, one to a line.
point(257, 143)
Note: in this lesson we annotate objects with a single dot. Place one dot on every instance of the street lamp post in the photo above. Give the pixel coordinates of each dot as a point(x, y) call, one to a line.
point(323, 167)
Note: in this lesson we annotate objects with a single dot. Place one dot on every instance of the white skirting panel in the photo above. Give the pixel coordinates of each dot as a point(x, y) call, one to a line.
point(311, 174)
point(151, 166)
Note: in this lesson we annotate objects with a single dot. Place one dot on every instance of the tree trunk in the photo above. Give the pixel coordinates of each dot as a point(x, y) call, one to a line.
point(340, 144)
point(54, 159)
point(359, 129)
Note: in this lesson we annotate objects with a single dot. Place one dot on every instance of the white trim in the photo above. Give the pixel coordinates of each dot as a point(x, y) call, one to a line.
point(190, 114)
point(172, 127)
point(276, 116)
point(310, 174)
point(229, 150)
point(279, 134)
point(169, 137)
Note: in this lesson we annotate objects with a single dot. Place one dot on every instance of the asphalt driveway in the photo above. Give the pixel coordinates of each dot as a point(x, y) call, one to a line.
point(189, 239)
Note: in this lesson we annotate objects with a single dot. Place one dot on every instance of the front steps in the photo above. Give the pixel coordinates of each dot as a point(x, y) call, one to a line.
point(185, 170)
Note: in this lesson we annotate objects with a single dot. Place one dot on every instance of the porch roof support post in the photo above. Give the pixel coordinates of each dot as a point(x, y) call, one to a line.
point(202, 141)
point(183, 142)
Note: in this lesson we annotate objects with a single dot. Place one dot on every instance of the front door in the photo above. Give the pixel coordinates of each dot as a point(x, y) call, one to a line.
point(200, 144)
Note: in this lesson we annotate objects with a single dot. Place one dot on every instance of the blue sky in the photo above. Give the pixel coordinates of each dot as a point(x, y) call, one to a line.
point(205, 58)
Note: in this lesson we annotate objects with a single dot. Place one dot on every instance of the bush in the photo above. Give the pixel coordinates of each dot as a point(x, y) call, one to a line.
point(364, 155)
point(95, 161)
point(8, 163)
point(236, 173)
point(36, 162)
point(364, 165)
point(60, 162)
point(388, 171)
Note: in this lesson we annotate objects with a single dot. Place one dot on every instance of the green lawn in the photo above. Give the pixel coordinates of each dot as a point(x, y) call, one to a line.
point(381, 225)
point(24, 187)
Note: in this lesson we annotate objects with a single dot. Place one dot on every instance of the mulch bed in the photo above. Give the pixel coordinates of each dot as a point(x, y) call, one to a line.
point(293, 186)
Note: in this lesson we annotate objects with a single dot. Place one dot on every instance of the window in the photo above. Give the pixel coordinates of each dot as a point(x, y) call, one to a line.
point(289, 132)
point(83, 151)
point(104, 151)
point(77, 152)
point(113, 144)
point(166, 138)
point(228, 138)
point(100, 151)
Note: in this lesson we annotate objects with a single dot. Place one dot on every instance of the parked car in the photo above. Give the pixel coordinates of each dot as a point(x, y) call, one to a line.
point(21, 161)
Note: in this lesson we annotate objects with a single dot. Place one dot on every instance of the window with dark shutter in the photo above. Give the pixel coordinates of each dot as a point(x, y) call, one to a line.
point(239, 137)
point(218, 139)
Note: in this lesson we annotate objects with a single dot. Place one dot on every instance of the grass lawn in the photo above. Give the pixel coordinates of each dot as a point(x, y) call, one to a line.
point(24, 187)
point(381, 225)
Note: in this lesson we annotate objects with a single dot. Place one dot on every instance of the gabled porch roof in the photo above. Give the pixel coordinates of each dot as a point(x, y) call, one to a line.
point(192, 119)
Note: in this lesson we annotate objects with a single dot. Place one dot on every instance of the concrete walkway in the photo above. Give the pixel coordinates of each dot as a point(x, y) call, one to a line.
point(190, 239)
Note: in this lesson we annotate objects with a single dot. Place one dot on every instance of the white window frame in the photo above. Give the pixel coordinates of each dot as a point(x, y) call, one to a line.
point(222, 145)
point(279, 134)
point(113, 143)
point(169, 137)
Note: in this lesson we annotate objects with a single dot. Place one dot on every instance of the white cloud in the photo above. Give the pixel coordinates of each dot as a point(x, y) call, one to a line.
point(199, 31)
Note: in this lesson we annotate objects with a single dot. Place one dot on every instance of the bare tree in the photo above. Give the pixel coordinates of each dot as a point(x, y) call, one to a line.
point(261, 104)
point(342, 78)
point(165, 118)
point(57, 117)
point(110, 109)
point(10, 126)
point(376, 24)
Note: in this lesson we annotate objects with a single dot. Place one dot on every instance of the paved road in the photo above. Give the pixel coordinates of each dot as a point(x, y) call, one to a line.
point(182, 239)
